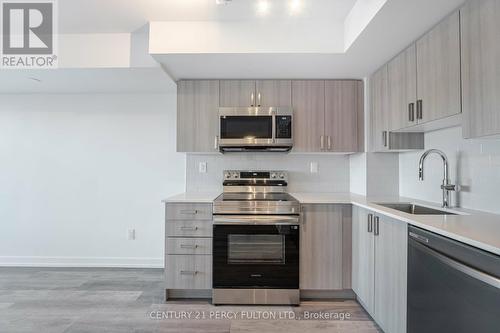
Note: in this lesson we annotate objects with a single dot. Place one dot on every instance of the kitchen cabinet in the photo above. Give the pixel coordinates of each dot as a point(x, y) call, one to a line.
point(379, 273)
point(402, 89)
point(237, 93)
point(250, 93)
point(379, 119)
point(325, 247)
point(363, 258)
point(188, 249)
point(328, 115)
point(480, 26)
point(274, 93)
point(308, 101)
point(344, 110)
point(438, 71)
point(197, 115)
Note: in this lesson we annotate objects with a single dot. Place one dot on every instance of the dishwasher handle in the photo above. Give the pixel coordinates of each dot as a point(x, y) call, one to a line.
point(469, 271)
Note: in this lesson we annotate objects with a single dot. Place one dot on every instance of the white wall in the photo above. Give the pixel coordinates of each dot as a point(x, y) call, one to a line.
point(474, 164)
point(332, 176)
point(77, 171)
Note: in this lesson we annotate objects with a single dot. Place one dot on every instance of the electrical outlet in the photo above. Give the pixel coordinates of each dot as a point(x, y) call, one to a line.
point(131, 234)
point(314, 167)
point(202, 167)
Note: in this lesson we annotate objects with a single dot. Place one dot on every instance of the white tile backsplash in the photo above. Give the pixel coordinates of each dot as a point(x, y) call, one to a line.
point(474, 164)
point(332, 175)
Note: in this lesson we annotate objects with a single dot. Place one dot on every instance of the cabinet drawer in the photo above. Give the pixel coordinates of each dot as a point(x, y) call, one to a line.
point(189, 245)
point(188, 271)
point(179, 228)
point(188, 211)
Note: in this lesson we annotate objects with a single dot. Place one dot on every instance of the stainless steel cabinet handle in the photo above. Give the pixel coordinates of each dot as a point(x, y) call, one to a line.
point(259, 98)
point(189, 272)
point(252, 99)
point(189, 212)
point(420, 111)
point(322, 142)
point(189, 246)
point(377, 226)
point(384, 138)
point(216, 142)
point(189, 228)
point(370, 223)
point(411, 112)
point(329, 142)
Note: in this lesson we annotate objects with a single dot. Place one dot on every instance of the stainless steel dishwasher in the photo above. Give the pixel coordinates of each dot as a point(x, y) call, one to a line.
point(452, 287)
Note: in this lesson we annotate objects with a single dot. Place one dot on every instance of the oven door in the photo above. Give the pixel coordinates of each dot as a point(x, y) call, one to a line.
point(256, 256)
point(246, 126)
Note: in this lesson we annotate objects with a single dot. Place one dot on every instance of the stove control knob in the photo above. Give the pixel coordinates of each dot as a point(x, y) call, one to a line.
point(282, 175)
point(235, 175)
point(227, 175)
point(273, 176)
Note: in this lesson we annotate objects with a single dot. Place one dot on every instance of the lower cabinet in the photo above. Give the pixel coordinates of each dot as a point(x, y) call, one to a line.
point(325, 247)
point(188, 249)
point(379, 260)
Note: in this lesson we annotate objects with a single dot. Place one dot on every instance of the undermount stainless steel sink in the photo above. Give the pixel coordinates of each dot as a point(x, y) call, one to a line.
point(414, 209)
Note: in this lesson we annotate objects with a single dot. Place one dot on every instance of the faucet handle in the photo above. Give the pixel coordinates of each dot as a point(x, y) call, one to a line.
point(450, 187)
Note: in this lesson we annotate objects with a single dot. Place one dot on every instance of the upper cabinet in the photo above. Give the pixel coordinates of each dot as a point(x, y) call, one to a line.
point(197, 115)
point(308, 101)
point(344, 115)
point(271, 93)
point(237, 93)
point(402, 89)
point(328, 115)
point(438, 71)
point(249, 93)
point(481, 68)
point(379, 118)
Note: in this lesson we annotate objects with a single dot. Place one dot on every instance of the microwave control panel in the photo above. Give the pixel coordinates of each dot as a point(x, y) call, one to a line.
point(283, 127)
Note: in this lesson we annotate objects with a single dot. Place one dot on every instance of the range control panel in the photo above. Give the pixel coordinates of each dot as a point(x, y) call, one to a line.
point(255, 175)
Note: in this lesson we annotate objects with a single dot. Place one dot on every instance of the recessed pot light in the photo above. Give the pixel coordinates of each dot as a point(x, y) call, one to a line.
point(263, 7)
point(222, 2)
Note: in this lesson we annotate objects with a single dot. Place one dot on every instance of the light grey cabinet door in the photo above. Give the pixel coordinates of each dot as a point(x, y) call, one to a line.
point(480, 24)
point(197, 115)
point(402, 89)
point(379, 120)
point(363, 258)
point(323, 259)
point(237, 93)
point(438, 71)
point(344, 115)
point(391, 274)
point(274, 93)
point(308, 101)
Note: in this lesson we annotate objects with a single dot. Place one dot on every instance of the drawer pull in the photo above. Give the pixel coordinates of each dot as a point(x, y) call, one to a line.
point(193, 273)
point(189, 228)
point(188, 246)
point(189, 212)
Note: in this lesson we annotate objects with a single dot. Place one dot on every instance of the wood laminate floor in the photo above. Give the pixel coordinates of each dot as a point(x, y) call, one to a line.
point(132, 300)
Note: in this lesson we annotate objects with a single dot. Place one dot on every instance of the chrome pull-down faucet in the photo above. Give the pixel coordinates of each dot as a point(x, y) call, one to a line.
point(446, 186)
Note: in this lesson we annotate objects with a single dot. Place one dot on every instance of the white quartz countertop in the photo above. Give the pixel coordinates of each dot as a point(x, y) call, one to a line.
point(475, 228)
point(197, 197)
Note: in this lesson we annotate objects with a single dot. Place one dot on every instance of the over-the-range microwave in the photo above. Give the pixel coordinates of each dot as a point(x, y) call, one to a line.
point(267, 129)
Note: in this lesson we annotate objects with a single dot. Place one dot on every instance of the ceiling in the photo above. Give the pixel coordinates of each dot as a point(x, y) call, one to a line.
point(111, 16)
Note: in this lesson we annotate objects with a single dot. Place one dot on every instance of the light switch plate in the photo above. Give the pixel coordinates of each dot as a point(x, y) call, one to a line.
point(314, 167)
point(202, 167)
point(131, 234)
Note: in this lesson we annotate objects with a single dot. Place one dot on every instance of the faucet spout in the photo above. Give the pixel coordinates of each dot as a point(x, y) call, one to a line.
point(446, 186)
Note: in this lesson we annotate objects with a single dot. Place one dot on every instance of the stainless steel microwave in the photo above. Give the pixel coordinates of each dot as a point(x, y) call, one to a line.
point(255, 129)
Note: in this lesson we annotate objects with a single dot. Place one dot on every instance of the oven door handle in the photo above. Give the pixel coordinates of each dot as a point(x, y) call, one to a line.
point(257, 220)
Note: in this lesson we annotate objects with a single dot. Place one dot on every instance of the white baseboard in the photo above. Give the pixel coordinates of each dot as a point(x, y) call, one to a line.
point(117, 262)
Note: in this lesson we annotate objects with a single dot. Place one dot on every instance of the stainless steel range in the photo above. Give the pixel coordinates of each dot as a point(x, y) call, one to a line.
point(256, 240)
